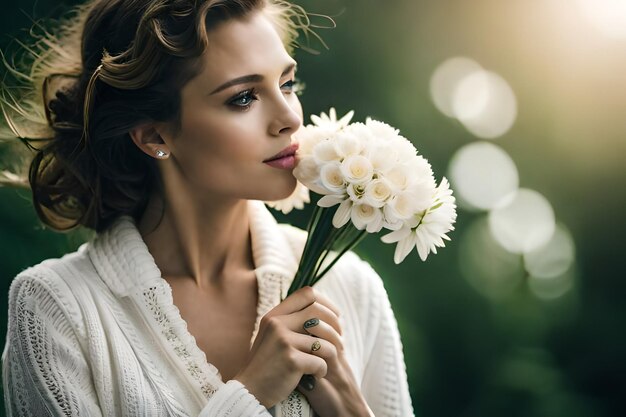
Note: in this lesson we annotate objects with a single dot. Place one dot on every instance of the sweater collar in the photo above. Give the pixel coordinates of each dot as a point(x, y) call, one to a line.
point(124, 263)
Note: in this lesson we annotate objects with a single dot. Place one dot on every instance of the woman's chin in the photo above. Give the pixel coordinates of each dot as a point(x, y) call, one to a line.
point(282, 189)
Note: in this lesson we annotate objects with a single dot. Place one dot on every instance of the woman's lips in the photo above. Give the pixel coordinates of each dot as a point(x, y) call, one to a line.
point(286, 162)
point(285, 159)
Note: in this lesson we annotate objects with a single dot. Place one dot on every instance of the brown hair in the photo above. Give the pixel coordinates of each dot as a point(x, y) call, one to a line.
point(111, 66)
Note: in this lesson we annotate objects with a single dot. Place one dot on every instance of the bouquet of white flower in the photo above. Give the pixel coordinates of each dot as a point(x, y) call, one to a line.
point(370, 178)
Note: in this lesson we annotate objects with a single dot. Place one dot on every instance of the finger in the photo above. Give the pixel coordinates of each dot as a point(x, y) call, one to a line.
point(309, 364)
point(322, 299)
point(319, 329)
point(317, 390)
point(317, 347)
point(297, 301)
point(321, 312)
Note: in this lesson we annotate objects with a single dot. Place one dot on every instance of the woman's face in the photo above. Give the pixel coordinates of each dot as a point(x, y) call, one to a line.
point(238, 112)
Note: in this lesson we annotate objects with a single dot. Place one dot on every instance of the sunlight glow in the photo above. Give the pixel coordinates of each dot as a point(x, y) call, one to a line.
point(608, 16)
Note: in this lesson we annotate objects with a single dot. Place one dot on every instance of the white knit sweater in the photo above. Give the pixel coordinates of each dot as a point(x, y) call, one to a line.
point(96, 333)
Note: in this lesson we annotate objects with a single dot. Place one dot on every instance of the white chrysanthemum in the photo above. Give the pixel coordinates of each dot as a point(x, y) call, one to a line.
point(362, 134)
point(348, 144)
point(398, 177)
point(383, 157)
point(427, 231)
point(420, 171)
point(297, 200)
point(309, 136)
point(381, 129)
point(330, 121)
point(325, 151)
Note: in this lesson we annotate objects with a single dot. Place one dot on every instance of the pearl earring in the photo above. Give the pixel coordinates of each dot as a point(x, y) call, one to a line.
point(161, 154)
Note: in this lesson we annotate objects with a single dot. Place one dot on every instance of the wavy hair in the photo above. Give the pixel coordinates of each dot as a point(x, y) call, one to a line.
point(108, 67)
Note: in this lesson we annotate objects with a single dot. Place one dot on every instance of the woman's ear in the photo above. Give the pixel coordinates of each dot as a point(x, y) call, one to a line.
point(149, 140)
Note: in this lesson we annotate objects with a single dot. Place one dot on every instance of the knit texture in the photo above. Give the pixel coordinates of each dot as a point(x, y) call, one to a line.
point(96, 333)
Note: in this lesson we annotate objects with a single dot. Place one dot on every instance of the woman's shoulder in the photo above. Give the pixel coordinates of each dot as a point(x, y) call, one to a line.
point(52, 282)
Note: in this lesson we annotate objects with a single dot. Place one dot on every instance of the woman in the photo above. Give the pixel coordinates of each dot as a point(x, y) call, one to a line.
point(164, 122)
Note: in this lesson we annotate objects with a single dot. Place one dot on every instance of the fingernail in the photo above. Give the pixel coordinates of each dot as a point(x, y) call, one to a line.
point(311, 323)
point(307, 382)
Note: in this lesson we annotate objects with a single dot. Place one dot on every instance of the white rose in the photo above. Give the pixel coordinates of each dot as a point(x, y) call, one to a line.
point(308, 173)
point(357, 169)
point(356, 192)
point(364, 216)
point(401, 207)
point(377, 192)
point(331, 177)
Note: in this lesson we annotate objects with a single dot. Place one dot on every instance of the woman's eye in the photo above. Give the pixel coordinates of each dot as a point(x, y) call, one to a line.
point(243, 99)
point(292, 86)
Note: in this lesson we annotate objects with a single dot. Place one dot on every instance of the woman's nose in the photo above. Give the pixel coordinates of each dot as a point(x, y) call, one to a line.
point(287, 117)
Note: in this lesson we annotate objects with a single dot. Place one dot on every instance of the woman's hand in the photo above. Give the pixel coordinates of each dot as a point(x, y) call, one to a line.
point(283, 351)
point(337, 394)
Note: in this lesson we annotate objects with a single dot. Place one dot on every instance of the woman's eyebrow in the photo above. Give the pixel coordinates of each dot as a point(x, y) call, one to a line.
point(249, 79)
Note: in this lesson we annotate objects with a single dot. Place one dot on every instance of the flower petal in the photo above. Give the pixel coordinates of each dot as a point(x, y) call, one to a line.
point(396, 235)
point(403, 248)
point(342, 215)
point(330, 200)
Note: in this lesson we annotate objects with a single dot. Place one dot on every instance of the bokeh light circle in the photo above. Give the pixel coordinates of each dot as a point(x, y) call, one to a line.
point(483, 175)
point(553, 258)
point(485, 104)
point(524, 223)
point(553, 287)
point(490, 270)
point(445, 80)
point(608, 16)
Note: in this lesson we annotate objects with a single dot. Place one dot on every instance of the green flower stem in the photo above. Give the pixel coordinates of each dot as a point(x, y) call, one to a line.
point(312, 226)
point(336, 237)
point(318, 235)
point(319, 228)
point(356, 240)
point(324, 243)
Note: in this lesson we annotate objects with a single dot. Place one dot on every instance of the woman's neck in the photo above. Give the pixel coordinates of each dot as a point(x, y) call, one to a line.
point(205, 240)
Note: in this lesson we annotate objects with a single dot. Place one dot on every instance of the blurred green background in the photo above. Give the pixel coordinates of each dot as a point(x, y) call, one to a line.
point(537, 329)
